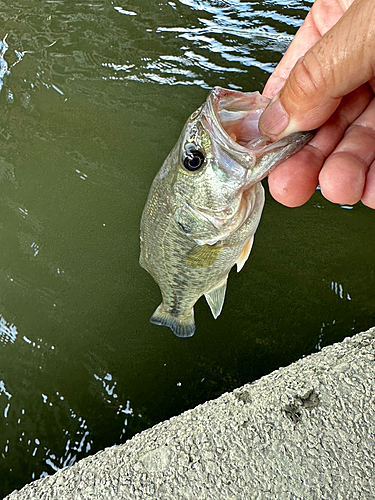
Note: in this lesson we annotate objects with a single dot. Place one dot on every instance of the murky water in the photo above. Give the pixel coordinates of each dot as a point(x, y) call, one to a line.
point(93, 97)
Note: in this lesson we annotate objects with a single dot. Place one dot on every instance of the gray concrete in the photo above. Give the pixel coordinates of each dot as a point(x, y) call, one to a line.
point(303, 432)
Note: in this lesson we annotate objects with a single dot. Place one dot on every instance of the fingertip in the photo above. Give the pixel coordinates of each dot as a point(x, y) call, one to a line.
point(368, 196)
point(369, 202)
point(342, 179)
point(294, 181)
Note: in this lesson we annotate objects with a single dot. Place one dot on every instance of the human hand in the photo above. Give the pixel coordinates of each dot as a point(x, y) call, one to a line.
point(327, 81)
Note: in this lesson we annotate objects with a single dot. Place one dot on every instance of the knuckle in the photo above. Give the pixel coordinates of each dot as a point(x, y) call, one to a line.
point(310, 76)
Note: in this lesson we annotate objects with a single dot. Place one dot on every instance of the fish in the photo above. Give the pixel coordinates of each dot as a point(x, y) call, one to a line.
point(205, 204)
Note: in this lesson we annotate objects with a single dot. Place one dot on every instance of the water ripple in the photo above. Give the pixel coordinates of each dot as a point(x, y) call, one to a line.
point(8, 332)
point(3, 64)
point(187, 42)
point(226, 39)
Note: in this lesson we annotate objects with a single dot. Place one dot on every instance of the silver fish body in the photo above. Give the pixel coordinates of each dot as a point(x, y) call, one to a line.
point(205, 204)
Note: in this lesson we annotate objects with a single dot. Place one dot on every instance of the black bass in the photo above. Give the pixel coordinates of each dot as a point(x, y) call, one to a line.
point(205, 204)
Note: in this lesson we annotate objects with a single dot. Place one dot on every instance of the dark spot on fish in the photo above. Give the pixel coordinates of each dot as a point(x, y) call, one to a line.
point(185, 229)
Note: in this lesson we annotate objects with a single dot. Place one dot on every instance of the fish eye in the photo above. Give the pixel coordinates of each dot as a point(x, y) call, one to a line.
point(193, 160)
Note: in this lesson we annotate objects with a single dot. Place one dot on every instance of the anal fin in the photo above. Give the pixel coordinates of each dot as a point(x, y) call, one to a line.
point(244, 255)
point(215, 298)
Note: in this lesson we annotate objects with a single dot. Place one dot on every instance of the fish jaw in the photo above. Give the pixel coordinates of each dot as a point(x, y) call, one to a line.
point(232, 118)
point(271, 155)
point(210, 203)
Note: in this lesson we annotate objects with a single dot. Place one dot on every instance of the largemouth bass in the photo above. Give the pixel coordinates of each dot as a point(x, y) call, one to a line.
point(205, 204)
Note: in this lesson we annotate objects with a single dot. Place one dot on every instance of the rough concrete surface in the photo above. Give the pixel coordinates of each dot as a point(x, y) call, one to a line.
point(306, 432)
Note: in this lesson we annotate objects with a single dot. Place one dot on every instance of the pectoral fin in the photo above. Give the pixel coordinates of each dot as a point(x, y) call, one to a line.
point(244, 254)
point(203, 255)
point(215, 298)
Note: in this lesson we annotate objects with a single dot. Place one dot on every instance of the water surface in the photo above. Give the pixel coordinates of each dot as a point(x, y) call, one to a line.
point(93, 97)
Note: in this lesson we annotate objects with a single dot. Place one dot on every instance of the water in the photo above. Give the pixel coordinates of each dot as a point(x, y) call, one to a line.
point(93, 97)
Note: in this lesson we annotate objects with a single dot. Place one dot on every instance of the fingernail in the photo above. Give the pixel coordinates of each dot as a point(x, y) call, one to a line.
point(274, 119)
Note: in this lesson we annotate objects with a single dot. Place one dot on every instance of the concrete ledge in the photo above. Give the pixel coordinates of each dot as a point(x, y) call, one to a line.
point(303, 432)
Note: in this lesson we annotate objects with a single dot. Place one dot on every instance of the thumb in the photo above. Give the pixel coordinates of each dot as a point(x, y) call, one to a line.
point(341, 61)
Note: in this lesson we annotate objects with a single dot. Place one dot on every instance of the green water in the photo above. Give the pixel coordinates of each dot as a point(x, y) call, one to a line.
point(94, 98)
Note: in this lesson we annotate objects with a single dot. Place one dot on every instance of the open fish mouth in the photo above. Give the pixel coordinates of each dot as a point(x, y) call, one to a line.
point(234, 118)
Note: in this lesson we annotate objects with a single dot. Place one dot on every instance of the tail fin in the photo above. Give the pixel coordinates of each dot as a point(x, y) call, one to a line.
point(182, 326)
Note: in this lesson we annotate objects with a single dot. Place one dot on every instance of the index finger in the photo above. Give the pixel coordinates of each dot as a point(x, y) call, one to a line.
point(318, 21)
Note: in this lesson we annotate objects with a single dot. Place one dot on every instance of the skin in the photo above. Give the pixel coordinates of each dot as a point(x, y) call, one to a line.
point(326, 81)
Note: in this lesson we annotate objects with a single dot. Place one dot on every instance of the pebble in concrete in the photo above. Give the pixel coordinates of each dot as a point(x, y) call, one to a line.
point(303, 432)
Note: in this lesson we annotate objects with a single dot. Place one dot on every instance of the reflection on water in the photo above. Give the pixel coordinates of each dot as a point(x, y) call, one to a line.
point(338, 289)
point(220, 38)
point(3, 64)
point(93, 97)
point(8, 333)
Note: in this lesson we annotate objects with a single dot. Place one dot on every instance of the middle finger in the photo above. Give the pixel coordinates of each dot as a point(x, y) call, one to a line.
point(343, 176)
